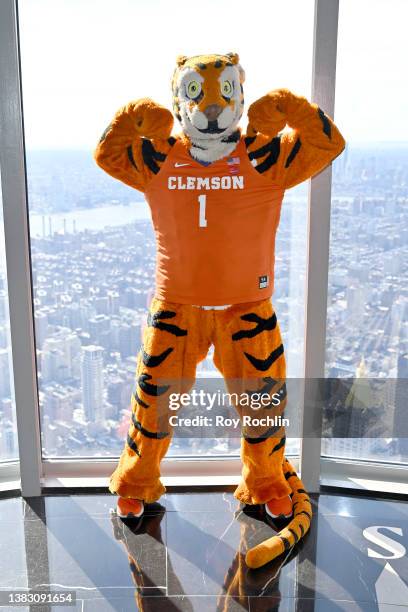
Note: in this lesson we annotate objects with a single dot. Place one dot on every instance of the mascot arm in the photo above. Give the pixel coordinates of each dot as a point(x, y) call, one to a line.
point(312, 142)
point(135, 143)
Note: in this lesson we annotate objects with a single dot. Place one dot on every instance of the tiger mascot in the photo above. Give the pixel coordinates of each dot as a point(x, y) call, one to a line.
point(215, 195)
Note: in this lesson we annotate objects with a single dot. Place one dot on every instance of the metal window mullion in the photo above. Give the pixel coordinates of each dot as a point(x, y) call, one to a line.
point(16, 230)
point(323, 93)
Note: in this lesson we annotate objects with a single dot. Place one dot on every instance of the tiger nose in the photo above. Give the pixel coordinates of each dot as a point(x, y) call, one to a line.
point(213, 111)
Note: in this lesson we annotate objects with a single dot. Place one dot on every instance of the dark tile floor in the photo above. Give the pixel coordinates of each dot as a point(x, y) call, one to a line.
point(188, 555)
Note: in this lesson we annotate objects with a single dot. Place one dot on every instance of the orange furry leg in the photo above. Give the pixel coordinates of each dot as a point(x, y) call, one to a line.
point(166, 363)
point(249, 353)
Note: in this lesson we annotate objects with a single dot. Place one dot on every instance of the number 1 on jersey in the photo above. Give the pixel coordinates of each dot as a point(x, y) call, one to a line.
point(202, 221)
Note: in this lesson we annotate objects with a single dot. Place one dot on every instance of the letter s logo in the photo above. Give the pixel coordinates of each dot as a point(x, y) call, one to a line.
point(396, 549)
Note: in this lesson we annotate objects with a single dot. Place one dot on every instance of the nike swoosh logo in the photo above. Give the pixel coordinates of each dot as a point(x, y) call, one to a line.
point(177, 165)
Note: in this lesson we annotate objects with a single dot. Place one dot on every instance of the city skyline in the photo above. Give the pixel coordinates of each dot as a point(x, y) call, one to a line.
point(92, 283)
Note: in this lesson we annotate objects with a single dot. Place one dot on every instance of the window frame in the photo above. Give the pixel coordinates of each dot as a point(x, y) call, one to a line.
point(39, 474)
point(18, 256)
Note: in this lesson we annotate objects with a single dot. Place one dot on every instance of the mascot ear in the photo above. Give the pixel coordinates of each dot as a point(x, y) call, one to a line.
point(234, 57)
point(181, 60)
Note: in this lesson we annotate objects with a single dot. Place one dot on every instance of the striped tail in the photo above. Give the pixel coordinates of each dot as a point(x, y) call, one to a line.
point(285, 539)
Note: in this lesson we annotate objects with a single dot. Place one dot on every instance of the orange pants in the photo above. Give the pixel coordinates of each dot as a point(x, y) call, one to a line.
point(247, 347)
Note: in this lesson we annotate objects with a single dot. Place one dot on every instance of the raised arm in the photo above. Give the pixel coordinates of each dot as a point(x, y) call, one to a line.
point(293, 156)
point(136, 142)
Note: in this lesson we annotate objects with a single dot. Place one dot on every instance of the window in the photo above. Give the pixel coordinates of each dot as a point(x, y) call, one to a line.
point(93, 249)
point(91, 237)
point(367, 306)
point(8, 423)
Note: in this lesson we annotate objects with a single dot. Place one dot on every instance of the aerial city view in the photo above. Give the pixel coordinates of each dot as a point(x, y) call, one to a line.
point(93, 246)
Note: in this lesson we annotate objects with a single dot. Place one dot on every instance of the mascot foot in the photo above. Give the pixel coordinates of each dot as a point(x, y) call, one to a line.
point(129, 508)
point(279, 508)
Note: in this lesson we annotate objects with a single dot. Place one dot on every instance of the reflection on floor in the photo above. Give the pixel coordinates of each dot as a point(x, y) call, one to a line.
point(188, 554)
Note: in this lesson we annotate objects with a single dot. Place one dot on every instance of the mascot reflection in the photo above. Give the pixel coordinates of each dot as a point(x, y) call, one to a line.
point(215, 195)
point(154, 567)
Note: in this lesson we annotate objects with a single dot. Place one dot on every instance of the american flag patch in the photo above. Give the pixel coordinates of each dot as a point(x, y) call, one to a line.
point(233, 163)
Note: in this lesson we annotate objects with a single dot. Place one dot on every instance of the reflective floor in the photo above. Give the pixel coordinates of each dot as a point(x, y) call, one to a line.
point(188, 554)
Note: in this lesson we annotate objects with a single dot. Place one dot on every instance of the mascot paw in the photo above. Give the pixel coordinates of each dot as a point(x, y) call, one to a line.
point(268, 114)
point(272, 112)
point(150, 119)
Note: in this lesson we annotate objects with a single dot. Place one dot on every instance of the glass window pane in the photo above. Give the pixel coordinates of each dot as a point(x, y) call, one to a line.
point(367, 310)
point(8, 421)
point(91, 236)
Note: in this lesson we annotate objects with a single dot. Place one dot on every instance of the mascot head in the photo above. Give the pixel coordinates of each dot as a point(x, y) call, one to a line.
point(208, 100)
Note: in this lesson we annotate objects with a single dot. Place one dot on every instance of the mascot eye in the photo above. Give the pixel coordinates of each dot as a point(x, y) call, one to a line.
point(227, 89)
point(193, 89)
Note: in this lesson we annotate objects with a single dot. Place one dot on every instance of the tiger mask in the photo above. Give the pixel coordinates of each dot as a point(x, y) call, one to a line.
point(208, 100)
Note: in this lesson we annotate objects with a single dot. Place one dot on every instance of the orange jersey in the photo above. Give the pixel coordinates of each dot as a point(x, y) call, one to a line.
point(215, 229)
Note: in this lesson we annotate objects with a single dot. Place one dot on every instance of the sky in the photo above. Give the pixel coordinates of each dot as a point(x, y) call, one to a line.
point(83, 59)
